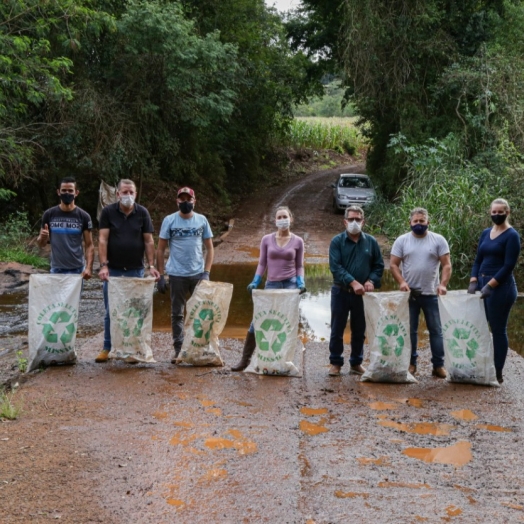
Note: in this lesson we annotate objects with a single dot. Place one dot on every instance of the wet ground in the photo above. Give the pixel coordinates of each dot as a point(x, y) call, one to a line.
point(157, 443)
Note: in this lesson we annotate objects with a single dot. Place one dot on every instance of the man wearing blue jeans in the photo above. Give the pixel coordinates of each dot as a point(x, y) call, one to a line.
point(356, 263)
point(126, 233)
point(186, 233)
point(421, 253)
point(68, 228)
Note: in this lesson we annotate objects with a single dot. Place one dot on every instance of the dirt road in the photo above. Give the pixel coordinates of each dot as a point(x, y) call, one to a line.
point(157, 443)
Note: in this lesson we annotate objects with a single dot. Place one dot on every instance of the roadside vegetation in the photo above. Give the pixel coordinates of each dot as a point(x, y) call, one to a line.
point(10, 408)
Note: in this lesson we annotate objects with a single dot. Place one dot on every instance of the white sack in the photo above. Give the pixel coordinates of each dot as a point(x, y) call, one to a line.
point(131, 315)
point(206, 316)
point(468, 347)
point(53, 318)
point(387, 328)
point(276, 318)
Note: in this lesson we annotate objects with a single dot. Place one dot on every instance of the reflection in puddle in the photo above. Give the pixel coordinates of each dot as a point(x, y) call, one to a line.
point(350, 495)
point(403, 485)
point(490, 427)
point(457, 455)
point(312, 429)
point(310, 412)
point(420, 428)
point(464, 414)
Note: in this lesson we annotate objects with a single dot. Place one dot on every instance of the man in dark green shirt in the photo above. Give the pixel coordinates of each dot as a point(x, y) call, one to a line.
point(357, 266)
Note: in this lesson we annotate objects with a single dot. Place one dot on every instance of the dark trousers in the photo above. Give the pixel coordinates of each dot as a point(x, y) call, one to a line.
point(429, 305)
point(180, 288)
point(342, 304)
point(498, 307)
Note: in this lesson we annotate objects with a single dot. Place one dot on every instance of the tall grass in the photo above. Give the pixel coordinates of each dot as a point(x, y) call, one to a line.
point(339, 134)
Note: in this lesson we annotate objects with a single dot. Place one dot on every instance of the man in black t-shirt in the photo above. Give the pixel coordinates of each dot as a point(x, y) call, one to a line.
point(126, 233)
point(66, 227)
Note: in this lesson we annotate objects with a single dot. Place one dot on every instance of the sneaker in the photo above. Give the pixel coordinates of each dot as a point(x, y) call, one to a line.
point(412, 369)
point(103, 356)
point(439, 372)
point(500, 379)
point(334, 371)
point(357, 370)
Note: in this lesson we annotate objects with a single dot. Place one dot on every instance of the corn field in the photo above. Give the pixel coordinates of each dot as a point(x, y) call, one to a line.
point(339, 134)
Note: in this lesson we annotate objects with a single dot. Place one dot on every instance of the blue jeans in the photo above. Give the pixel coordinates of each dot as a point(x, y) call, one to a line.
point(289, 283)
point(429, 305)
point(62, 271)
point(180, 288)
point(498, 307)
point(137, 273)
point(342, 303)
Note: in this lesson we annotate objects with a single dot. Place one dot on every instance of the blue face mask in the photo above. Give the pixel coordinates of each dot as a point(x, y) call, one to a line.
point(419, 229)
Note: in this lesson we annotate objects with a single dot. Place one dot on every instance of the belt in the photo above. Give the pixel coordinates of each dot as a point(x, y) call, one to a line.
point(349, 289)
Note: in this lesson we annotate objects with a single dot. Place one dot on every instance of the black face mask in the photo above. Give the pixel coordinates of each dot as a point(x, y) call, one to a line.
point(499, 219)
point(67, 198)
point(186, 207)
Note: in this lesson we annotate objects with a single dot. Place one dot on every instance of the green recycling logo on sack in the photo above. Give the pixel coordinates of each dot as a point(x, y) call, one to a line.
point(391, 335)
point(202, 317)
point(130, 318)
point(58, 322)
point(462, 340)
point(271, 332)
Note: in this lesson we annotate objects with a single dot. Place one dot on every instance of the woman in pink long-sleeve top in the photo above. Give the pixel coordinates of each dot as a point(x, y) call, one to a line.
point(282, 255)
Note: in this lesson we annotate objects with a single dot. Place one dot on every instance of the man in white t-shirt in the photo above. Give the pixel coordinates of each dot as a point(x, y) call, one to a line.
point(421, 254)
point(186, 232)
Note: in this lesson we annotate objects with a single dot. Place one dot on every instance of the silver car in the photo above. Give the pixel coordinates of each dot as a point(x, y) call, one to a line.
point(352, 190)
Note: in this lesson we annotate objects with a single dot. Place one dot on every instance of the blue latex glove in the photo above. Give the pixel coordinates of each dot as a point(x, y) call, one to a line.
point(472, 288)
point(301, 285)
point(486, 291)
point(255, 283)
point(161, 285)
point(204, 275)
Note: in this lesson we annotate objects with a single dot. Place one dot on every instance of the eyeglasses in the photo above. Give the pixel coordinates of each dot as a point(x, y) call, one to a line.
point(354, 219)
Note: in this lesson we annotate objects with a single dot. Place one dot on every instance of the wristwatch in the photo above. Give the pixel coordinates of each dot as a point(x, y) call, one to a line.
point(102, 264)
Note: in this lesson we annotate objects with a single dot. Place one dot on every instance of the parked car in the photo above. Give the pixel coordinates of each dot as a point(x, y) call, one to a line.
point(352, 190)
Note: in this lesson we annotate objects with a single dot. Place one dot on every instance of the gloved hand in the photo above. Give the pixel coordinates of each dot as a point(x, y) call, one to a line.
point(161, 285)
point(255, 283)
point(204, 275)
point(301, 285)
point(486, 291)
point(473, 286)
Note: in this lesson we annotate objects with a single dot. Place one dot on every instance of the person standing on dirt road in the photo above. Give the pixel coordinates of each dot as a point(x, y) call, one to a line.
point(497, 255)
point(126, 233)
point(282, 254)
point(186, 232)
point(66, 227)
point(357, 266)
point(421, 253)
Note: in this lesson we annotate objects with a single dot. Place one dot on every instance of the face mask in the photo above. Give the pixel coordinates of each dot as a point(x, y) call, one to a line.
point(419, 229)
point(127, 200)
point(353, 227)
point(499, 219)
point(67, 198)
point(186, 207)
point(283, 223)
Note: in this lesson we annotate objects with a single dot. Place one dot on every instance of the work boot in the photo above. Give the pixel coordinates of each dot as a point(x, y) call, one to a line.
point(249, 347)
point(357, 370)
point(334, 370)
point(500, 379)
point(103, 356)
point(174, 360)
point(412, 369)
point(439, 372)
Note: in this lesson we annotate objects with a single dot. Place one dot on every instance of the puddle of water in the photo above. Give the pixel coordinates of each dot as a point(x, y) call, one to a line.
point(453, 511)
point(420, 428)
point(311, 412)
point(380, 461)
point(403, 485)
point(382, 406)
point(491, 427)
point(312, 429)
point(464, 414)
point(350, 495)
point(458, 454)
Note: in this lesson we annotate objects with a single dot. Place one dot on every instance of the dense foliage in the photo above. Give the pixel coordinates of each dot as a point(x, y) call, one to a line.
point(187, 91)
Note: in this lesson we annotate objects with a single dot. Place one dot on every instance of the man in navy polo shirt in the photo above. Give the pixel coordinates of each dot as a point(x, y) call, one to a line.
point(126, 233)
point(65, 227)
point(186, 232)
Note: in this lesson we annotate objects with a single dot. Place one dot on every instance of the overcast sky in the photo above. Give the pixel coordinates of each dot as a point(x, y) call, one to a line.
point(283, 5)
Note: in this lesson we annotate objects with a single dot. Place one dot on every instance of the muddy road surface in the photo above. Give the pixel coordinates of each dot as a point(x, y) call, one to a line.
point(158, 443)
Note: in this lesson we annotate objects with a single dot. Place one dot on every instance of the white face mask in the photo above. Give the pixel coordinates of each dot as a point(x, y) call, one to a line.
point(353, 227)
point(127, 200)
point(283, 223)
